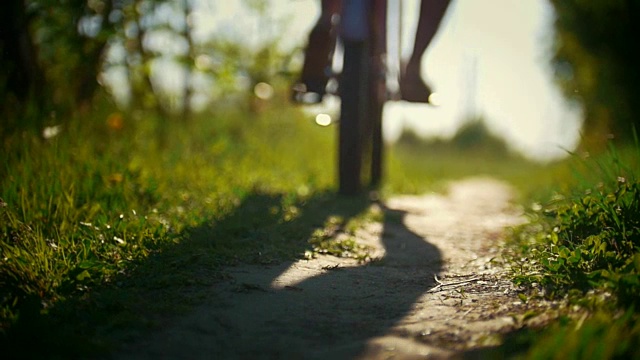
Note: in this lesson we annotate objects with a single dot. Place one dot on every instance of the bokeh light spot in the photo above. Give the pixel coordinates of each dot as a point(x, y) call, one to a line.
point(263, 91)
point(323, 119)
point(435, 99)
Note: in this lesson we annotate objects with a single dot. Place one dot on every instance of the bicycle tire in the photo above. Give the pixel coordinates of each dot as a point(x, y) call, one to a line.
point(353, 109)
point(363, 93)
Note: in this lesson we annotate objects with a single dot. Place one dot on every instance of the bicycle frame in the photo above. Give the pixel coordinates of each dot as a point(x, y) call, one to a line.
point(363, 93)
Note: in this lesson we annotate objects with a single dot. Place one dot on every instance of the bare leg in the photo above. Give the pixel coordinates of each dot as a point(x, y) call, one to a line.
point(318, 54)
point(412, 86)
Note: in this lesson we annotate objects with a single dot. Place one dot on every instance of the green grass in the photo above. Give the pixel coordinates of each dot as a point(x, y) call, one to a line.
point(99, 210)
point(107, 230)
point(582, 246)
point(416, 166)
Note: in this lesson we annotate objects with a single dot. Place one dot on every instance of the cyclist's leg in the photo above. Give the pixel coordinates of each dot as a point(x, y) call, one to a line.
point(412, 86)
point(318, 55)
point(378, 45)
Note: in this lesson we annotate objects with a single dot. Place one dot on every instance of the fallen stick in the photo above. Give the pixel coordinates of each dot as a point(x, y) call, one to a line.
point(455, 283)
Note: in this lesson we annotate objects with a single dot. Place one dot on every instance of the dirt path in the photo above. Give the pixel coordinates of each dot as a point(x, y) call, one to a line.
point(432, 291)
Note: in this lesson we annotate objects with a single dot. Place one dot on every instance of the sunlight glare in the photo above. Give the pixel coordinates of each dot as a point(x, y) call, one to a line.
point(435, 99)
point(263, 91)
point(204, 62)
point(51, 131)
point(323, 119)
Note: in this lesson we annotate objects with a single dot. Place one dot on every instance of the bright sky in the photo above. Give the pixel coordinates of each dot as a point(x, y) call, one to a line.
point(489, 59)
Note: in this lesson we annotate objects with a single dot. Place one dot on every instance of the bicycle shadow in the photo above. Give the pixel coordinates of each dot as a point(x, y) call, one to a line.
point(301, 310)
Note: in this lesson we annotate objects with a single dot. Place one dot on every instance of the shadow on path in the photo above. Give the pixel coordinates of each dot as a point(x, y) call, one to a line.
point(300, 309)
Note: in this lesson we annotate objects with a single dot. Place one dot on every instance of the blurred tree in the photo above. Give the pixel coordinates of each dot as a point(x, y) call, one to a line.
point(597, 61)
point(21, 74)
point(21, 77)
point(189, 57)
point(51, 51)
point(137, 25)
point(54, 52)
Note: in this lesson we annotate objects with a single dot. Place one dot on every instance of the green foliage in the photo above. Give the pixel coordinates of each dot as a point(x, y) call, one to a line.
point(583, 245)
point(474, 135)
point(601, 336)
point(589, 239)
point(106, 215)
point(473, 151)
point(596, 61)
point(337, 236)
point(82, 208)
point(94, 39)
point(72, 37)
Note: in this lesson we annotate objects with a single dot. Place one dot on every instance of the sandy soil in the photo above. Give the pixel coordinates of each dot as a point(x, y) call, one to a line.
point(432, 291)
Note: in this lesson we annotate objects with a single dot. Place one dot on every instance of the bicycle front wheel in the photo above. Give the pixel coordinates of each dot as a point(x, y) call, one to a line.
point(353, 109)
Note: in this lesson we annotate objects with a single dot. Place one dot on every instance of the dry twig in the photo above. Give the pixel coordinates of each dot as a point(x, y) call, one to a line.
point(454, 284)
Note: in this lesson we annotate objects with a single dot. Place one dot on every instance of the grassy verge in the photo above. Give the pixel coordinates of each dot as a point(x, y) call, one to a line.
point(583, 247)
point(416, 166)
point(107, 215)
point(116, 223)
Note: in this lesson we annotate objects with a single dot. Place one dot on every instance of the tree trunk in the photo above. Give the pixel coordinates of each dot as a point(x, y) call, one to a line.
point(188, 63)
point(92, 54)
point(18, 56)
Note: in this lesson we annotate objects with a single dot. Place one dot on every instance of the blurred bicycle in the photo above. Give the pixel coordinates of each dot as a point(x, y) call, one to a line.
point(361, 27)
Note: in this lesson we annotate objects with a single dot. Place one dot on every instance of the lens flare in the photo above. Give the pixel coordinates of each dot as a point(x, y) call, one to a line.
point(323, 119)
point(51, 131)
point(435, 99)
point(263, 91)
